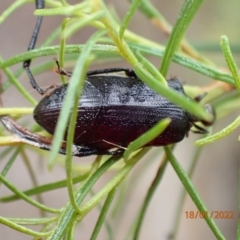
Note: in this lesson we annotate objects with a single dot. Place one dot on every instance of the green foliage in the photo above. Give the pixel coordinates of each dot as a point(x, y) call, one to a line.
point(111, 40)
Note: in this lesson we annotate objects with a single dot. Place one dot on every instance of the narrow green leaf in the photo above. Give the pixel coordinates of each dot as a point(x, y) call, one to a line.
point(62, 46)
point(17, 84)
point(101, 48)
point(150, 193)
point(230, 61)
point(221, 134)
point(193, 193)
point(68, 215)
point(26, 198)
point(44, 188)
point(22, 229)
point(65, 10)
point(10, 162)
point(128, 17)
point(15, 111)
point(75, 86)
point(188, 10)
point(103, 214)
point(146, 137)
point(14, 6)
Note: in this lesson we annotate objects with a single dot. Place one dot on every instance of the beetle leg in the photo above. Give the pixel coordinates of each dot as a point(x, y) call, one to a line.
point(51, 87)
point(60, 70)
point(128, 72)
point(199, 97)
point(36, 140)
point(26, 63)
point(82, 151)
point(115, 145)
point(115, 152)
point(208, 109)
point(118, 150)
point(200, 129)
point(25, 135)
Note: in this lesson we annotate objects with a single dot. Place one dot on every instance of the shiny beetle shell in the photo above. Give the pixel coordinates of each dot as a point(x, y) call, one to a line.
point(116, 110)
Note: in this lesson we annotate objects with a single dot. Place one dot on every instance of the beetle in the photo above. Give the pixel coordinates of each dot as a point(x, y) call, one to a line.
point(113, 111)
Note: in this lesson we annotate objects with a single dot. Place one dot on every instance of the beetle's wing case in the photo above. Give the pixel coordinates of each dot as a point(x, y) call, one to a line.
point(129, 108)
point(118, 110)
point(47, 111)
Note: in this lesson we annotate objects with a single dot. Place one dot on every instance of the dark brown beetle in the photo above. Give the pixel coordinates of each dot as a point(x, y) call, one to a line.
point(115, 110)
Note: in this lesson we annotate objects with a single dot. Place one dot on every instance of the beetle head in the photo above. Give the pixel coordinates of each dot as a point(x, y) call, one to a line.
point(208, 109)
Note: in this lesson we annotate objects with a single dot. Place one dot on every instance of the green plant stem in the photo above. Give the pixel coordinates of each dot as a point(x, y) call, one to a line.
point(103, 214)
point(219, 135)
point(157, 18)
point(10, 162)
point(22, 229)
point(26, 198)
point(193, 193)
point(180, 204)
point(188, 11)
point(11, 9)
point(45, 188)
point(74, 88)
point(146, 137)
point(62, 46)
point(67, 10)
point(32, 221)
point(181, 59)
point(128, 16)
point(32, 177)
point(87, 207)
point(64, 3)
point(68, 215)
point(15, 111)
point(149, 196)
point(17, 84)
point(71, 132)
point(230, 61)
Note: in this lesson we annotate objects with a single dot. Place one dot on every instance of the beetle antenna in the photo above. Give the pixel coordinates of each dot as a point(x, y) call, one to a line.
point(114, 144)
point(27, 63)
